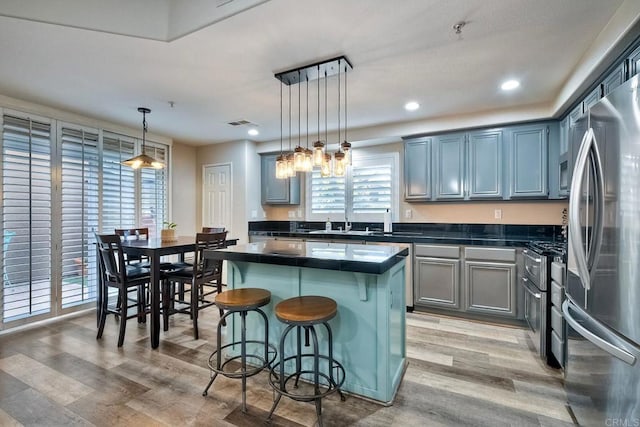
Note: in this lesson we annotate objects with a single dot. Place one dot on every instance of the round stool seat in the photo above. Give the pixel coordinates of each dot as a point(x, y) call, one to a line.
point(306, 310)
point(243, 299)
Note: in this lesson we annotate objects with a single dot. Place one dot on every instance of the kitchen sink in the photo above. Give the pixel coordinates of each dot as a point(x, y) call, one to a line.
point(346, 233)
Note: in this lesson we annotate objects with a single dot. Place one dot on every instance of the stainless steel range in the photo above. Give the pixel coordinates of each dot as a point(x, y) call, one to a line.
point(536, 282)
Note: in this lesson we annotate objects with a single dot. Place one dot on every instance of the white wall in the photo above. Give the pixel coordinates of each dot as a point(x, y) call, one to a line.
point(184, 188)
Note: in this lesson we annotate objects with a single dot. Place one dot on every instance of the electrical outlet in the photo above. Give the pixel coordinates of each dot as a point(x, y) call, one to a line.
point(299, 213)
point(407, 213)
point(254, 214)
point(497, 214)
point(292, 214)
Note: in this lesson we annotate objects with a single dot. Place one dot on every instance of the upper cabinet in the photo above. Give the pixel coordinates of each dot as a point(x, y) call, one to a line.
point(277, 191)
point(634, 63)
point(614, 79)
point(485, 164)
point(528, 161)
point(417, 169)
point(449, 162)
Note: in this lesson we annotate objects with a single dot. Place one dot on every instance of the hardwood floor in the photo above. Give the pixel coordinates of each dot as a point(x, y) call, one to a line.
point(459, 373)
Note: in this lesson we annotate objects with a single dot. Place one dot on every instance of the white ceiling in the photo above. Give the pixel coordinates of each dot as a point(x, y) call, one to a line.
point(400, 51)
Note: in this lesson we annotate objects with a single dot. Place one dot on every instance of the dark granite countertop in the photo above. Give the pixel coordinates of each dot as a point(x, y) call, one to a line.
point(450, 234)
point(359, 258)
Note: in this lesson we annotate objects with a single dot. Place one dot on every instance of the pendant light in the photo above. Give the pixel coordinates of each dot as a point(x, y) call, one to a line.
point(298, 153)
point(142, 160)
point(338, 156)
point(346, 146)
point(326, 167)
point(308, 154)
point(303, 159)
point(318, 146)
point(289, 158)
point(281, 161)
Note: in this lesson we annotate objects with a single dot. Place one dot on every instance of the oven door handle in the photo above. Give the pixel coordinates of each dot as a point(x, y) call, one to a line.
point(605, 344)
point(530, 288)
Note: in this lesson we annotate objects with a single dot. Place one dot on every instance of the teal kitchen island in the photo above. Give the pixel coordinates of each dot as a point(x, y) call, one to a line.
point(367, 283)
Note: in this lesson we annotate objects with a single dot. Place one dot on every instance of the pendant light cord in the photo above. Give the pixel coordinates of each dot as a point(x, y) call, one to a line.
point(289, 117)
point(345, 104)
point(326, 138)
point(307, 112)
point(299, 130)
point(281, 118)
point(338, 106)
point(318, 103)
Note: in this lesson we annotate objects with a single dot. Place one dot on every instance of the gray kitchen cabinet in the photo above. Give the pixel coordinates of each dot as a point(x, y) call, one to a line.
point(417, 169)
point(277, 191)
point(563, 159)
point(594, 96)
point(449, 166)
point(528, 161)
point(484, 175)
point(614, 79)
point(634, 63)
point(490, 281)
point(437, 276)
point(490, 288)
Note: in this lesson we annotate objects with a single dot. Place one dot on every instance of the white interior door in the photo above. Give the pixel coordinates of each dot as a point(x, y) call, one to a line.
point(217, 200)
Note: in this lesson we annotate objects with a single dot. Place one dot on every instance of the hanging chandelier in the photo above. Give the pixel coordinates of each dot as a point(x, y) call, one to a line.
point(302, 158)
point(142, 160)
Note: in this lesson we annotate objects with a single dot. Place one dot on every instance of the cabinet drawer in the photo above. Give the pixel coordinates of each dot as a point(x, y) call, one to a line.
point(557, 347)
point(556, 320)
point(557, 294)
point(490, 254)
point(437, 251)
point(557, 272)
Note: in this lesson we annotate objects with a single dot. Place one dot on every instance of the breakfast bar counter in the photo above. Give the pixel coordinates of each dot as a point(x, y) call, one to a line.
point(366, 281)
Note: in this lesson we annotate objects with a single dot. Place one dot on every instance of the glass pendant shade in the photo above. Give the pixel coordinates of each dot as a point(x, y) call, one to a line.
point(291, 172)
point(281, 167)
point(318, 153)
point(325, 168)
point(308, 160)
point(339, 164)
point(298, 159)
point(346, 149)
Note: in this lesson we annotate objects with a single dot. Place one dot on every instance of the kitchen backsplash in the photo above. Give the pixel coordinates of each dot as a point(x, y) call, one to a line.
point(495, 231)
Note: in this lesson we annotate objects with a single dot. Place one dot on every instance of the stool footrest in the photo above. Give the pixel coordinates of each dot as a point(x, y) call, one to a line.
point(255, 369)
point(331, 385)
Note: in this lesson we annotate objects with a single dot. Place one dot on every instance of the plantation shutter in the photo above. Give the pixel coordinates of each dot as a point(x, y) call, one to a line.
point(118, 183)
point(372, 186)
point(26, 219)
point(328, 195)
point(80, 169)
point(153, 192)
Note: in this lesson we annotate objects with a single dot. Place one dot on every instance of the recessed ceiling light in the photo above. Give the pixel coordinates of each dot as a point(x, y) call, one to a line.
point(253, 132)
point(510, 85)
point(411, 106)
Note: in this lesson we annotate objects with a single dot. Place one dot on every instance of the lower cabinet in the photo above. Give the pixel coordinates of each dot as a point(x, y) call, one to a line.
point(437, 276)
point(490, 288)
point(472, 279)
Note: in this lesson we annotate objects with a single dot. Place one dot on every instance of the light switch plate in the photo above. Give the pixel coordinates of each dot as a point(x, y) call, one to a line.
point(497, 214)
point(407, 213)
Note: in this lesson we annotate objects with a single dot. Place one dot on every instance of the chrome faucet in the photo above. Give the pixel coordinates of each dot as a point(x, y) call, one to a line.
point(347, 224)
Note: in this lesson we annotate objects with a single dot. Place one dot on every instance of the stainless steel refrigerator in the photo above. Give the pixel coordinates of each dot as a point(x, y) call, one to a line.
point(602, 308)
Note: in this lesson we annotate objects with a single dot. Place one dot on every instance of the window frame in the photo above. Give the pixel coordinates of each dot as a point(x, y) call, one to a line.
point(388, 158)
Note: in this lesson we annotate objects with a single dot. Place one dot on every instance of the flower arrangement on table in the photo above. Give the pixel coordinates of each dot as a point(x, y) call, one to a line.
point(168, 233)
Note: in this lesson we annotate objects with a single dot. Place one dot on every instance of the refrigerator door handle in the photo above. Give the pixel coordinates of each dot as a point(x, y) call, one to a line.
point(575, 238)
point(622, 354)
point(596, 242)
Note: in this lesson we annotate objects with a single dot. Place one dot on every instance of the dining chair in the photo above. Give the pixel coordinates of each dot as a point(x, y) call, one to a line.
point(213, 229)
point(199, 281)
point(116, 273)
point(134, 234)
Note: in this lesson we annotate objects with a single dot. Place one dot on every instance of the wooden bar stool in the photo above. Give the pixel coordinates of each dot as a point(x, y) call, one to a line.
point(304, 313)
point(241, 301)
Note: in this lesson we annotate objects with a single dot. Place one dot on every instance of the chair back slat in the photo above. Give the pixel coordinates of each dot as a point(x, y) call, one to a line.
point(133, 233)
point(213, 229)
point(111, 257)
point(208, 269)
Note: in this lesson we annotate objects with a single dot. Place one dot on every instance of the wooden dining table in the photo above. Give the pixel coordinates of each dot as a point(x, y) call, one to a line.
point(155, 249)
